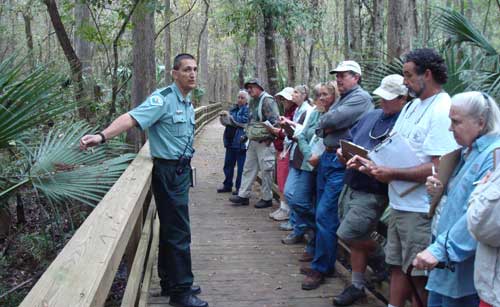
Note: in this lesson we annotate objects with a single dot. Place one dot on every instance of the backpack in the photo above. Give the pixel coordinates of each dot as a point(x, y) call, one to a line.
point(257, 130)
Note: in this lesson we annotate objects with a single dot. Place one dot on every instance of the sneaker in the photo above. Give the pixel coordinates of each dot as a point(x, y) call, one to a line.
point(239, 201)
point(224, 190)
point(292, 239)
point(313, 280)
point(350, 295)
point(272, 214)
point(306, 257)
point(287, 226)
point(261, 204)
point(281, 215)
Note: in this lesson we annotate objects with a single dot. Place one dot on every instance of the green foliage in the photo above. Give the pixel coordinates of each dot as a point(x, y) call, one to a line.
point(37, 245)
point(475, 68)
point(49, 160)
point(27, 101)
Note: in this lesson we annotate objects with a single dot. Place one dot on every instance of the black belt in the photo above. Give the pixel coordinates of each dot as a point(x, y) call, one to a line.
point(166, 161)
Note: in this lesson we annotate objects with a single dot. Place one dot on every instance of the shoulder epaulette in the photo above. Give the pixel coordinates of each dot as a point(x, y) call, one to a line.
point(166, 91)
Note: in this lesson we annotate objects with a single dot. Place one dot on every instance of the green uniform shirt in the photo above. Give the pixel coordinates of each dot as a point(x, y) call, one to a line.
point(169, 120)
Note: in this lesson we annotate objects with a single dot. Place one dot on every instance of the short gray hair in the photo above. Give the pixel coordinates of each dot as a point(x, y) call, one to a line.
point(247, 96)
point(479, 105)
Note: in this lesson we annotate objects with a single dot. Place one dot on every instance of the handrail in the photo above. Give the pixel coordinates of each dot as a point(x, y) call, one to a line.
point(84, 270)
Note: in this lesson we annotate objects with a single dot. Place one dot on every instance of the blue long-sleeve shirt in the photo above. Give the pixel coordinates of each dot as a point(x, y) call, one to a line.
point(460, 247)
point(233, 134)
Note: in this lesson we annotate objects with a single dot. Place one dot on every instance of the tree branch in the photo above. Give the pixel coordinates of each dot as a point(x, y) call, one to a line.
point(175, 19)
point(101, 37)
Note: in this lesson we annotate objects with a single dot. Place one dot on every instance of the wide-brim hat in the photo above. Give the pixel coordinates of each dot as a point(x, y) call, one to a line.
point(391, 87)
point(347, 66)
point(253, 81)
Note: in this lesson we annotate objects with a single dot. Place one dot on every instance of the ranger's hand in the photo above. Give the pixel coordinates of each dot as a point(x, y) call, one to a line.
point(90, 140)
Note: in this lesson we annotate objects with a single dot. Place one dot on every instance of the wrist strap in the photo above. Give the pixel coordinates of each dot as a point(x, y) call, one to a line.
point(102, 136)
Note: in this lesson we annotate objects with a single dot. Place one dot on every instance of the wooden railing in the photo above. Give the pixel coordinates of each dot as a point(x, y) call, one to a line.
point(120, 226)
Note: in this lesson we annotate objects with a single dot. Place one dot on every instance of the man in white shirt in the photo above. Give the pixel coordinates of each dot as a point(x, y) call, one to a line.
point(424, 124)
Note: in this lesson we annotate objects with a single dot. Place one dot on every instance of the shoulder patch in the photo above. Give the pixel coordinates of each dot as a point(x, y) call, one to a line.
point(156, 100)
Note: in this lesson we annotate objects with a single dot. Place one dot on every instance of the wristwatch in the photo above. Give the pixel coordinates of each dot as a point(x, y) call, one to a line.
point(103, 138)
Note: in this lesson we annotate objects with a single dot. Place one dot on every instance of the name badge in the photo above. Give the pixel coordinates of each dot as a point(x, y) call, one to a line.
point(179, 112)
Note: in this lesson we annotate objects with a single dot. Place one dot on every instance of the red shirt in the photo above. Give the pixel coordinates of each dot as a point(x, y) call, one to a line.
point(278, 141)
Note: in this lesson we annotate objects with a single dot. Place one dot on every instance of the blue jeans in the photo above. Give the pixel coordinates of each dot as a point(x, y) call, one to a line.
point(298, 194)
point(438, 300)
point(232, 157)
point(329, 184)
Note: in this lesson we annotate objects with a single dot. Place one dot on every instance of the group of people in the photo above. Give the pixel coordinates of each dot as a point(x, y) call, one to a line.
point(449, 259)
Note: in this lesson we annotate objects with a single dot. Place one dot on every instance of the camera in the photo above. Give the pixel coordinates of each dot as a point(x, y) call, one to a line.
point(181, 165)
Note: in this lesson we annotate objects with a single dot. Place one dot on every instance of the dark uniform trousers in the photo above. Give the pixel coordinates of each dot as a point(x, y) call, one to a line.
point(171, 193)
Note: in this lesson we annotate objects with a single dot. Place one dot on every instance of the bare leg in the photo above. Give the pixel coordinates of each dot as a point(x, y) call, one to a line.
point(400, 289)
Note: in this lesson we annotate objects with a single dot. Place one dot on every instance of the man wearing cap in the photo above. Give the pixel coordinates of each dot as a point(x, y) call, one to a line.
point(260, 153)
point(363, 198)
point(334, 125)
point(424, 124)
point(354, 100)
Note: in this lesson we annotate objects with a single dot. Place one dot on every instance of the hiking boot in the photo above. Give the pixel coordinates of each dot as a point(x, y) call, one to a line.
point(313, 280)
point(306, 269)
point(292, 239)
point(287, 226)
point(349, 296)
point(306, 257)
point(239, 201)
point(189, 300)
point(282, 215)
point(261, 204)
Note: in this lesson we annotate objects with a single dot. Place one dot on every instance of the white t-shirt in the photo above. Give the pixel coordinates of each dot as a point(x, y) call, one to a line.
point(425, 124)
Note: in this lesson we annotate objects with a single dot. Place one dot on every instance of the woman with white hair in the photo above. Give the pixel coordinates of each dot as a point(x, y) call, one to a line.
point(236, 150)
point(475, 123)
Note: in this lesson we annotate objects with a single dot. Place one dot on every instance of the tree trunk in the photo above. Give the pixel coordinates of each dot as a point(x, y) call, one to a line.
point(73, 60)
point(202, 55)
point(377, 35)
point(427, 29)
point(29, 37)
point(168, 45)
point(243, 61)
point(272, 74)
point(347, 29)
point(83, 47)
point(260, 64)
point(290, 61)
point(144, 69)
point(399, 30)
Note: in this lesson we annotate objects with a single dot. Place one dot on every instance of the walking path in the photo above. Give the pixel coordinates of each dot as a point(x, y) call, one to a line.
point(238, 258)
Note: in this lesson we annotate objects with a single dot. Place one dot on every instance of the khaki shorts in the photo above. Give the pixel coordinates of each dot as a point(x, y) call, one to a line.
point(409, 233)
point(360, 214)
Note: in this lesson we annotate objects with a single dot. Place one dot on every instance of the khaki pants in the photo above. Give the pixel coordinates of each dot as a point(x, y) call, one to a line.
point(260, 157)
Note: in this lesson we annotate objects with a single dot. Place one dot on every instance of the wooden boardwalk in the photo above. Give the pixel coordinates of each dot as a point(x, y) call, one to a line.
point(238, 258)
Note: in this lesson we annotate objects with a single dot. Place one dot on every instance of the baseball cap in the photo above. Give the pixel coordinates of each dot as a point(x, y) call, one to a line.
point(347, 66)
point(391, 87)
point(286, 93)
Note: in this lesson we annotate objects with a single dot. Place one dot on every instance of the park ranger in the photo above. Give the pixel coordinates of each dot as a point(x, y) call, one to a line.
point(168, 115)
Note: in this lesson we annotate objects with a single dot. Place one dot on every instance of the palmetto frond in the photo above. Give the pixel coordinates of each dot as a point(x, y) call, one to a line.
point(60, 170)
point(27, 101)
point(461, 30)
